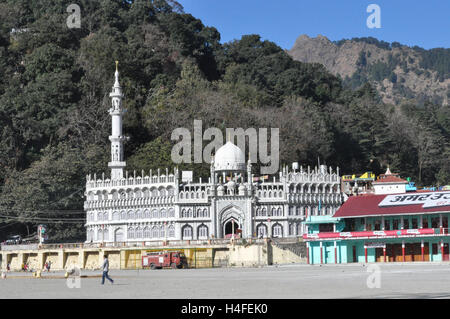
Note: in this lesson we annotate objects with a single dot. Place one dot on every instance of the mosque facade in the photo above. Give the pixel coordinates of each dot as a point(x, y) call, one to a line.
point(159, 206)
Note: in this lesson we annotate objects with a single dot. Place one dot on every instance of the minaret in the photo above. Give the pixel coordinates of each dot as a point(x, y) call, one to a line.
point(116, 111)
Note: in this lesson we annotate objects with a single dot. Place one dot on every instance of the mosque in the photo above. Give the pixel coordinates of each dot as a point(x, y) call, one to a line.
point(158, 206)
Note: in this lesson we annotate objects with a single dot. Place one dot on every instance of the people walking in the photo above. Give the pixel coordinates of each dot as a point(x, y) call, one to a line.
point(105, 270)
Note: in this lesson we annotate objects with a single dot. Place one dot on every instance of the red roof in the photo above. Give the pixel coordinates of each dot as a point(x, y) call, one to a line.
point(389, 179)
point(367, 205)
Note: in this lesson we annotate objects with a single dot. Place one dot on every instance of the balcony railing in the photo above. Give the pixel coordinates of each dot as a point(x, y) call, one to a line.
point(377, 234)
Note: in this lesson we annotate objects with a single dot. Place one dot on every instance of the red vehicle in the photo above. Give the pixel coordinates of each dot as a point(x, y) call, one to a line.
point(173, 259)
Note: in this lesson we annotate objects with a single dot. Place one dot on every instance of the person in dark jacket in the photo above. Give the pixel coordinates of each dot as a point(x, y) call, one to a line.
point(105, 270)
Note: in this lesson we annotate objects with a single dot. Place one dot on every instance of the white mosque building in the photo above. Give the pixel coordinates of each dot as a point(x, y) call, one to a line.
point(157, 206)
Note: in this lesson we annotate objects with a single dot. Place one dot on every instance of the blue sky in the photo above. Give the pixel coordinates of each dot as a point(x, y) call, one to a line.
point(425, 23)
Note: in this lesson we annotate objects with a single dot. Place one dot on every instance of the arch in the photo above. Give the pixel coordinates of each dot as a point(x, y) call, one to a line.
point(106, 234)
point(277, 230)
point(202, 231)
point(130, 233)
point(171, 231)
point(138, 232)
point(155, 232)
point(186, 232)
point(115, 216)
point(261, 230)
point(146, 232)
point(118, 235)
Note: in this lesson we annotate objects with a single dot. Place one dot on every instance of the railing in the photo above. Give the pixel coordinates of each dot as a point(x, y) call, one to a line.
point(19, 247)
point(142, 244)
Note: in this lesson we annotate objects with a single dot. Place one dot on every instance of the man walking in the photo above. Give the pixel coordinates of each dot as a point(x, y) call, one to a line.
point(105, 270)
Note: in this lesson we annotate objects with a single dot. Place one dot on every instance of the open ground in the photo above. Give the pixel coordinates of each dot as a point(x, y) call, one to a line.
point(401, 280)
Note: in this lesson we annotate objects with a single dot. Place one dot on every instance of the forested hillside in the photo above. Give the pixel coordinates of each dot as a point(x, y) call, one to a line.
point(55, 81)
point(398, 72)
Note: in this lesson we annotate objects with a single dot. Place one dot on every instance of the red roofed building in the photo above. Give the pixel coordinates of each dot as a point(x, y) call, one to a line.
point(385, 228)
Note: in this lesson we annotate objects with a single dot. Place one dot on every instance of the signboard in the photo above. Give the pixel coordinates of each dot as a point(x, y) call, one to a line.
point(434, 199)
point(375, 245)
point(187, 176)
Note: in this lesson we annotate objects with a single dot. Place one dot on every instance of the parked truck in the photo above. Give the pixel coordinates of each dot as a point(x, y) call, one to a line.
point(158, 260)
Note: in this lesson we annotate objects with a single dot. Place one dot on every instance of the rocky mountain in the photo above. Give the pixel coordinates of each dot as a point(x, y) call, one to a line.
point(398, 72)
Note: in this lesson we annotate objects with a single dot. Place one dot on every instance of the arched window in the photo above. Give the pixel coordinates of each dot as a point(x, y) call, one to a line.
point(162, 192)
point(138, 214)
point(138, 232)
point(154, 192)
point(264, 212)
point(130, 195)
point(154, 213)
point(147, 232)
point(274, 211)
point(292, 229)
point(105, 216)
point(130, 215)
point(205, 212)
point(183, 213)
point(299, 229)
point(279, 212)
point(163, 213)
point(261, 231)
point(170, 191)
point(115, 195)
point(277, 230)
point(131, 233)
point(123, 215)
point(116, 216)
point(90, 235)
point(171, 212)
point(202, 232)
point(155, 232)
point(189, 213)
point(171, 231)
point(162, 231)
point(146, 193)
point(146, 214)
point(105, 234)
point(99, 216)
point(187, 232)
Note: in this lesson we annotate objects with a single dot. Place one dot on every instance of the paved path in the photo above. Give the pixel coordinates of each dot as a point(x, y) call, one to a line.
point(402, 280)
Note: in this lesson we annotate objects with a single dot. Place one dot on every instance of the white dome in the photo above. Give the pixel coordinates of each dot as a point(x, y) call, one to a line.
point(229, 158)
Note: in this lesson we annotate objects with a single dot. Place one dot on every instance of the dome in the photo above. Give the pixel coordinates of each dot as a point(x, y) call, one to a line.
point(229, 158)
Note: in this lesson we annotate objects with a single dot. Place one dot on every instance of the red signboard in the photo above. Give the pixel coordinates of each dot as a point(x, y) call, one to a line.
point(375, 233)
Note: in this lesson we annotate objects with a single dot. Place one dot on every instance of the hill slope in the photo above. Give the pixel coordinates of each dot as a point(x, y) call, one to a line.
point(398, 72)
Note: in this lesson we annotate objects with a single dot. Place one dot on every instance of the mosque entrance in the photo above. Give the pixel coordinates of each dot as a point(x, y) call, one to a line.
point(232, 227)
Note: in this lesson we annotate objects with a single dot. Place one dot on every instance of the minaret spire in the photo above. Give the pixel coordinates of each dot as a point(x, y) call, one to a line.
point(117, 163)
